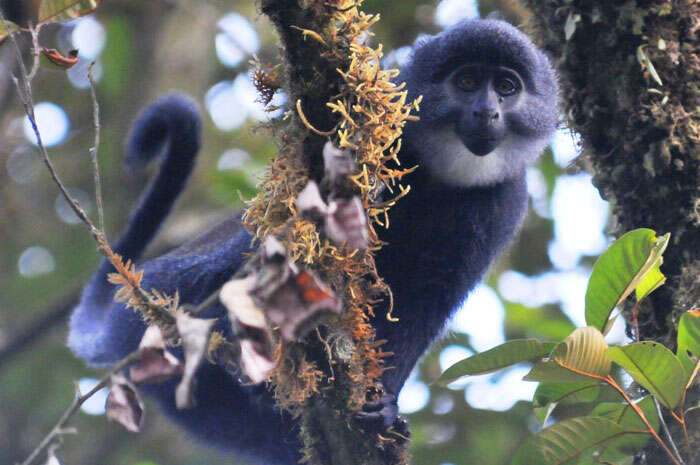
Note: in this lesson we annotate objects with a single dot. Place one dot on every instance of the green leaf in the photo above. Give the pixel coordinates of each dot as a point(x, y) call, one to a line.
point(620, 270)
point(549, 395)
point(654, 367)
point(4, 28)
point(550, 372)
point(583, 351)
point(689, 340)
point(537, 322)
point(65, 10)
point(543, 413)
point(505, 355)
point(566, 393)
point(651, 281)
point(625, 416)
point(567, 442)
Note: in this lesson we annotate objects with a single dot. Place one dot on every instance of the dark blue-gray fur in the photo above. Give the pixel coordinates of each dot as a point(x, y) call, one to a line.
point(441, 242)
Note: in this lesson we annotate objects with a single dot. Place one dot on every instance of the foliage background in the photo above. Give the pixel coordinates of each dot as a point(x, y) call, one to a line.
point(151, 47)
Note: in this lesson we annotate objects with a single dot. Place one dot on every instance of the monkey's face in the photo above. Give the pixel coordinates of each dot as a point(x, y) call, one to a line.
point(486, 95)
point(489, 103)
point(479, 125)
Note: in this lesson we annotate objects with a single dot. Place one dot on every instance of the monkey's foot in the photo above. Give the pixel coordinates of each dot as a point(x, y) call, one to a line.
point(381, 416)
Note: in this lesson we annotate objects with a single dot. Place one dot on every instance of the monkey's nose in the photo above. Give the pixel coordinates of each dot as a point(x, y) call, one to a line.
point(487, 115)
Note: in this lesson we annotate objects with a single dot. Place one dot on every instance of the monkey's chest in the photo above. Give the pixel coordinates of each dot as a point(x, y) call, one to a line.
point(441, 242)
point(433, 258)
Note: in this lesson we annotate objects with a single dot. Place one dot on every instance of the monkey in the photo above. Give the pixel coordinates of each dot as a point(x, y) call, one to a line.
point(490, 107)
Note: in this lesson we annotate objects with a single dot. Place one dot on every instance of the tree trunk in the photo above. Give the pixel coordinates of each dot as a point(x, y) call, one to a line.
point(630, 75)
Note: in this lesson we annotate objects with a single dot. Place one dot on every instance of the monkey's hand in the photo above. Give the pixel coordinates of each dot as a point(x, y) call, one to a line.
point(381, 415)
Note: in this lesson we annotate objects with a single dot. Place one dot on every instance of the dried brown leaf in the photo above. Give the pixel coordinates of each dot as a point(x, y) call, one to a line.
point(195, 338)
point(55, 57)
point(124, 405)
point(337, 162)
point(346, 222)
point(156, 364)
point(299, 304)
point(257, 360)
point(235, 296)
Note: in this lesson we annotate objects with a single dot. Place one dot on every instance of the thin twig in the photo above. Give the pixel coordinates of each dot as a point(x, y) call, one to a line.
point(79, 400)
point(203, 305)
point(635, 320)
point(667, 432)
point(35, 52)
point(94, 151)
point(24, 89)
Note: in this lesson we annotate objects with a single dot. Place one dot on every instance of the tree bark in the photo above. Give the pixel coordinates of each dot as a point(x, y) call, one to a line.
point(317, 42)
point(630, 73)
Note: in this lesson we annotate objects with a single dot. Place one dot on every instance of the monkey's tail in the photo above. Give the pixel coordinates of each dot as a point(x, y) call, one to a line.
point(169, 127)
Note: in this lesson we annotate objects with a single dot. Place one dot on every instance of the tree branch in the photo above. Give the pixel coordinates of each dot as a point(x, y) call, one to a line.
point(79, 400)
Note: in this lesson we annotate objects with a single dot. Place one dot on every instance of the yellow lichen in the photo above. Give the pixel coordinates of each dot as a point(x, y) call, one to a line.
point(371, 111)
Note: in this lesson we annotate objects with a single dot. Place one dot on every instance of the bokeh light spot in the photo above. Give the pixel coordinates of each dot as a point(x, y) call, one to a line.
point(23, 164)
point(237, 40)
point(414, 396)
point(36, 261)
point(449, 12)
point(89, 37)
point(52, 122)
point(64, 210)
point(78, 74)
point(95, 405)
point(481, 317)
point(233, 159)
point(443, 404)
point(500, 391)
point(223, 106)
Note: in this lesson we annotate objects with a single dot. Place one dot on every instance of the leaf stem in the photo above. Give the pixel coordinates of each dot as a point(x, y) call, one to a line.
point(635, 320)
point(676, 460)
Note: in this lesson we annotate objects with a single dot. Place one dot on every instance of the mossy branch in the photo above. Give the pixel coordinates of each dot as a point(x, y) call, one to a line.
point(341, 94)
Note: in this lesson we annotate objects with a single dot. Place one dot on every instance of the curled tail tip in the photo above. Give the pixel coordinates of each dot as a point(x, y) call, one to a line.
point(172, 120)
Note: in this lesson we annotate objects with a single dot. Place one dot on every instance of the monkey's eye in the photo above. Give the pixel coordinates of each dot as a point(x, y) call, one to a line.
point(505, 86)
point(468, 80)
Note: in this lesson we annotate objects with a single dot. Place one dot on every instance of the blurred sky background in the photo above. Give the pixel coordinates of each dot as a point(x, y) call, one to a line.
point(144, 49)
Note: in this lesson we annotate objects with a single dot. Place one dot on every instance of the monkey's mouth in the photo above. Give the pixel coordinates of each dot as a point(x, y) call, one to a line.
point(481, 145)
